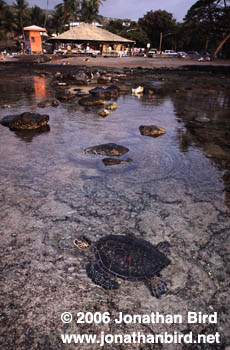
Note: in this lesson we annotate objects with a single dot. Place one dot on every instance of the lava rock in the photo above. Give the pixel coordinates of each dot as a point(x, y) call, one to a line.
point(48, 103)
point(107, 149)
point(25, 121)
point(55, 103)
point(65, 96)
point(151, 130)
point(44, 104)
point(202, 119)
point(91, 101)
point(70, 78)
point(104, 79)
point(111, 91)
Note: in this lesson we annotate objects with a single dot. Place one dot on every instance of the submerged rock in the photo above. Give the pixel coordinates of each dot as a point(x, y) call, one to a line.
point(111, 106)
point(104, 113)
point(55, 103)
point(44, 104)
point(107, 149)
point(91, 101)
point(48, 103)
point(202, 119)
point(114, 161)
point(111, 91)
point(104, 79)
point(69, 78)
point(65, 95)
point(25, 121)
point(151, 130)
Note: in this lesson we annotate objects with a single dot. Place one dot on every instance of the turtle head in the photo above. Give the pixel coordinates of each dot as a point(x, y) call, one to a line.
point(82, 243)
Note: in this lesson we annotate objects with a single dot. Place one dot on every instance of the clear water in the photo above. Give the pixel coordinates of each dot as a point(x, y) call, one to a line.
point(73, 128)
point(176, 188)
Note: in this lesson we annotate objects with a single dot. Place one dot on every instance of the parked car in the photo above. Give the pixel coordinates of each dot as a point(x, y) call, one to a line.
point(169, 53)
point(195, 53)
point(152, 52)
point(182, 54)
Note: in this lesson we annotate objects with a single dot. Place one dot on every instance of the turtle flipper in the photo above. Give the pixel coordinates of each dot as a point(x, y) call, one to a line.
point(97, 275)
point(164, 247)
point(156, 289)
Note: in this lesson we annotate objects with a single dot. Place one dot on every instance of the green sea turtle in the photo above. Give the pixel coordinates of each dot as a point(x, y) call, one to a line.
point(126, 257)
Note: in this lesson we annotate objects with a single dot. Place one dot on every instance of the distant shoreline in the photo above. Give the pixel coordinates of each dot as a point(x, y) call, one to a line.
point(162, 64)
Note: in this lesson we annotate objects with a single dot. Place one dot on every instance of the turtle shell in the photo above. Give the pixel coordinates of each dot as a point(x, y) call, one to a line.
point(128, 257)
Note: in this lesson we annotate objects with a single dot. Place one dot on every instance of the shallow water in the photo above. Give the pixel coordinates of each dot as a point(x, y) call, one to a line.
point(176, 188)
point(74, 128)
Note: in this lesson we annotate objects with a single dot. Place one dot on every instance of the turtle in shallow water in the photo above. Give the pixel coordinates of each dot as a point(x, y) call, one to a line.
point(129, 258)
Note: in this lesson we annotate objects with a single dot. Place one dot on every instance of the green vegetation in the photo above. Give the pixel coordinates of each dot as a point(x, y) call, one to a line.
point(206, 24)
point(157, 22)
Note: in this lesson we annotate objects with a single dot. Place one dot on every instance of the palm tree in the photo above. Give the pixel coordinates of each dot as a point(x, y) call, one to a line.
point(65, 13)
point(47, 6)
point(70, 10)
point(90, 10)
point(21, 7)
point(7, 25)
point(57, 19)
point(3, 6)
point(37, 16)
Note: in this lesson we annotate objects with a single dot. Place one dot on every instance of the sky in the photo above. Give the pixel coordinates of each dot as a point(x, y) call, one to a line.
point(132, 9)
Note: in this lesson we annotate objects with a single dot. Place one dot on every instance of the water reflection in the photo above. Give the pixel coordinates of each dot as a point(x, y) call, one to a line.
point(28, 135)
point(206, 126)
point(40, 86)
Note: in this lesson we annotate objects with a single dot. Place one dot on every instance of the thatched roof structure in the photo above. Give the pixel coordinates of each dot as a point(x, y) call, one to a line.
point(85, 32)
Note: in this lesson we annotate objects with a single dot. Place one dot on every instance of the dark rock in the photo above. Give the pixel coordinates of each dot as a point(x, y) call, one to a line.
point(104, 79)
point(151, 130)
point(114, 161)
point(72, 79)
point(91, 101)
point(48, 103)
point(82, 94)
point(111, 91)
point(55, 103)
point(107, 149)
point(25, 121)
point(65, 96)
point(44, 104)
point(202, 119)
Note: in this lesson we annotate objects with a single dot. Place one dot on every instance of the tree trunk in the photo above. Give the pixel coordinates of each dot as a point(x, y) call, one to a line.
point(221, 44)
point(160, 46)
point(47, 5)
